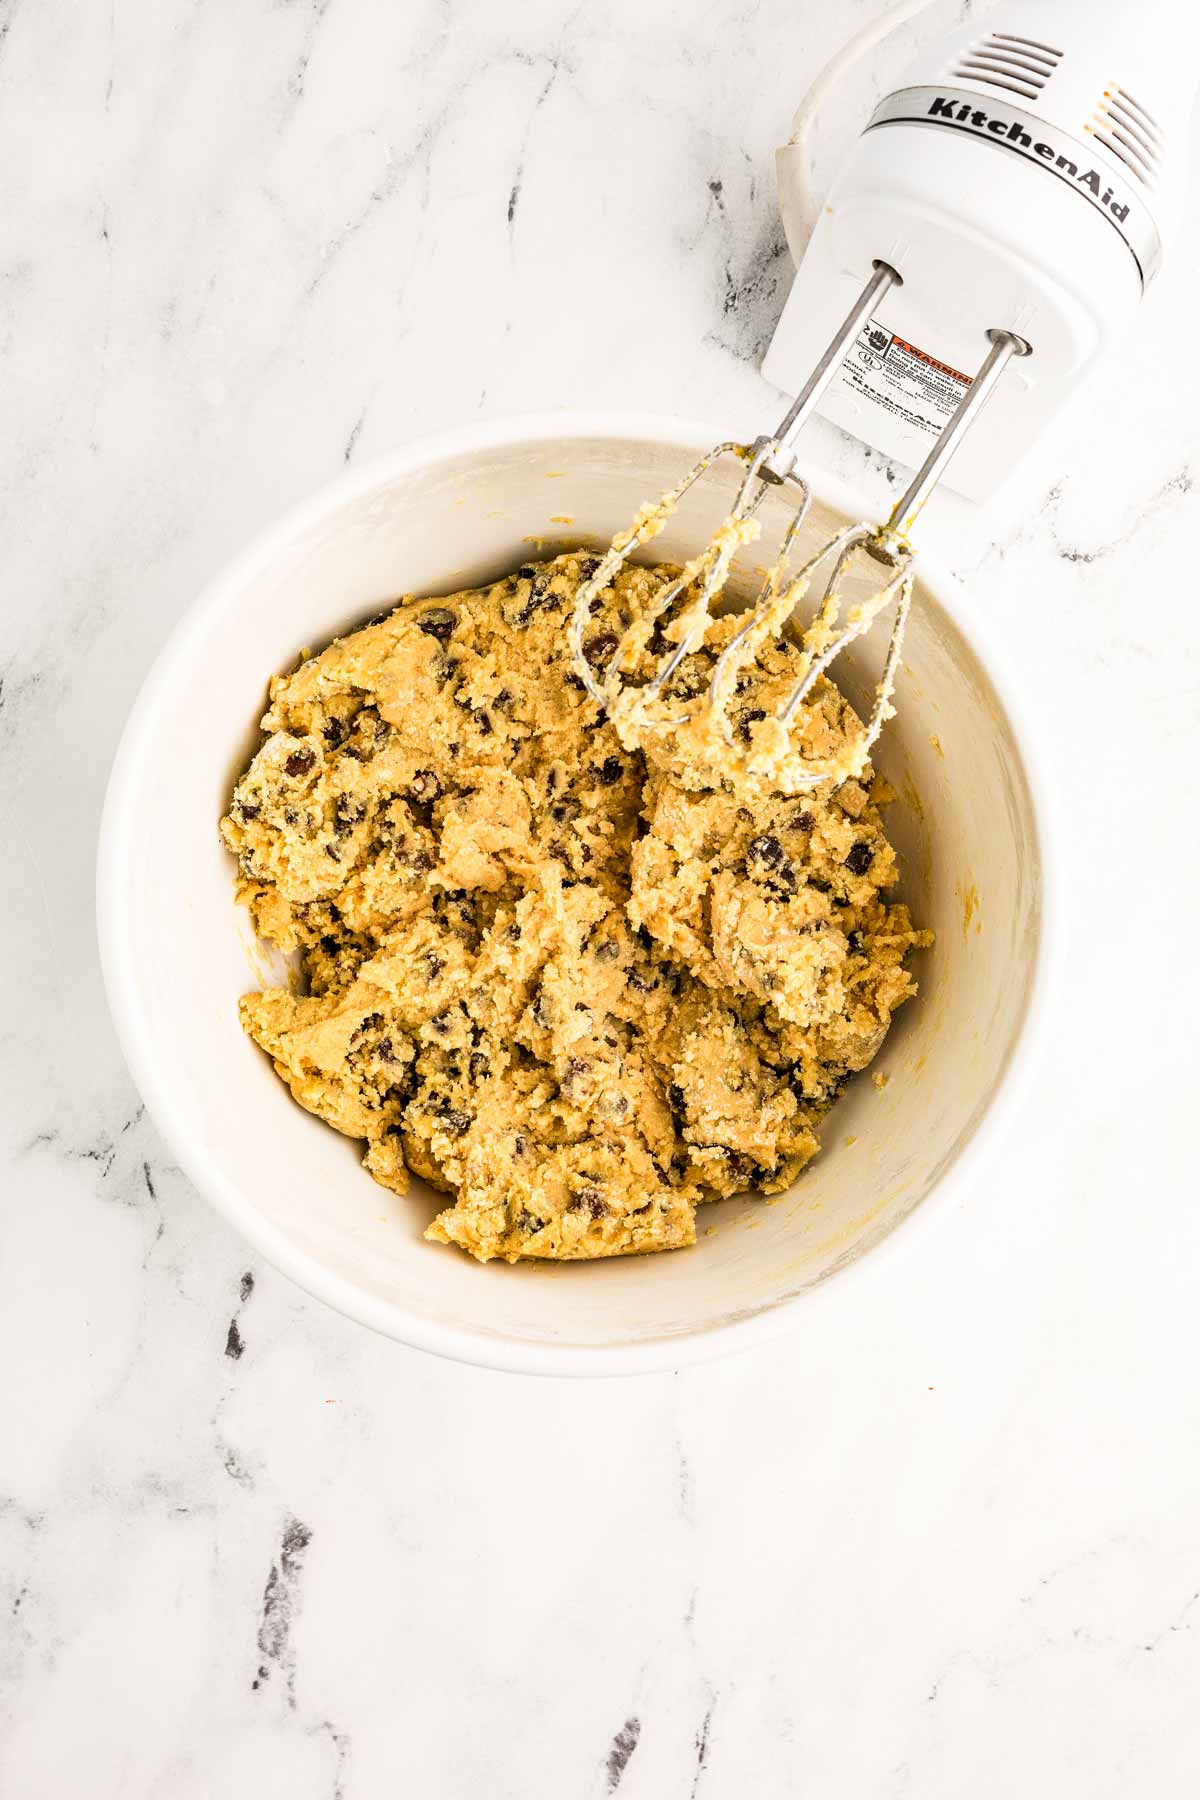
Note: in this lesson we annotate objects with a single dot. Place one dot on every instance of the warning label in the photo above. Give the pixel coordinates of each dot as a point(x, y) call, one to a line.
point(902, 379)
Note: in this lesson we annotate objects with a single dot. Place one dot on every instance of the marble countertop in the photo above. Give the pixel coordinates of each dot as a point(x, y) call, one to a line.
point(247, 1548)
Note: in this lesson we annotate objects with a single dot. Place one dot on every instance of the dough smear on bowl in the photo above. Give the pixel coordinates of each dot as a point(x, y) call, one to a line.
point(580, 989)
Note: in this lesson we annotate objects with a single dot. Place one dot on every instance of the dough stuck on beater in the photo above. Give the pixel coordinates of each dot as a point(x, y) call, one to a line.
point(578, 987)
point(640, 680)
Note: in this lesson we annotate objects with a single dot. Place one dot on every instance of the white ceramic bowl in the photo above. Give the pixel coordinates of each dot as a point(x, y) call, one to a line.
point(435, 516)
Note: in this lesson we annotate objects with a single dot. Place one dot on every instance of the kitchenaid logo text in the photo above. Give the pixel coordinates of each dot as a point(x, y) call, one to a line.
point(1035, 140)
point(1012, 131)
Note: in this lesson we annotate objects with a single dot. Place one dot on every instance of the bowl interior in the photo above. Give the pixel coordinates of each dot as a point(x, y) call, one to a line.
point(178, 953)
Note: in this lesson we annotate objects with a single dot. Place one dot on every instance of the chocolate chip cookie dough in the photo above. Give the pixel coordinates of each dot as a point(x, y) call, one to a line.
point(573, 987)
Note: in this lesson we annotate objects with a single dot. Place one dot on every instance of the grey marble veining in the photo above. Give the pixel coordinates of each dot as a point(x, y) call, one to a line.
point(245, 1547)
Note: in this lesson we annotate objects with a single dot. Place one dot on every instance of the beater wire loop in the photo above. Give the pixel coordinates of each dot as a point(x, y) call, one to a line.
point(839, 619)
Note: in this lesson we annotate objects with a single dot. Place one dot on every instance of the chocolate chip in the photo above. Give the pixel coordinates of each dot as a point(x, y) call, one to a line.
point(438, 622)
point(333, 733)
point(610, 771)
point(346, 815)
point(538, 595)
point(513, 934)
point(860, 858)
point(765, 851)
point(372, 1022)
point(247, 810)
point(599, 648)
point(455, 1121)
point(589, 1200)
point(433, 966)
point(766, 860)
point(384, 1051)
point(690, 682)
point(528, 1225)
point(803, 821)
point(300, 761)
point(519, 1145)
point(478, 1064)
point(441, 1024)
point(748, 717)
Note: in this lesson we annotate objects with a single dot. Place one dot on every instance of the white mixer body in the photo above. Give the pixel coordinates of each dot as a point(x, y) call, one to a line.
point(1027, 175)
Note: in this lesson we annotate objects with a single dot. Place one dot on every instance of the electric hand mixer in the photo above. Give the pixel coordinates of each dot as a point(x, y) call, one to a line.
point(1002, 214)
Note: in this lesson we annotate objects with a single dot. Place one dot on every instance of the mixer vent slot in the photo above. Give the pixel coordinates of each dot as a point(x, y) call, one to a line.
point(1129, 133)
point(1018, 65)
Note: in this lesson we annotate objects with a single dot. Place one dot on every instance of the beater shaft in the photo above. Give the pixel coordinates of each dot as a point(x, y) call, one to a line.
point(781, 457)
point(1005, 345)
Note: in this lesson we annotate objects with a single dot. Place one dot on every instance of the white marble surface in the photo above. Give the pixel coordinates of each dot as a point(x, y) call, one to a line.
point(949, 1548)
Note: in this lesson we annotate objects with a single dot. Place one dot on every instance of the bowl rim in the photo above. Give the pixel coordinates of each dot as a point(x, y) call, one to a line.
point(486, 1348)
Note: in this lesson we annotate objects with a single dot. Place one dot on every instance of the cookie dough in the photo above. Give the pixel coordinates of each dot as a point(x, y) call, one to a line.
point(578, 994)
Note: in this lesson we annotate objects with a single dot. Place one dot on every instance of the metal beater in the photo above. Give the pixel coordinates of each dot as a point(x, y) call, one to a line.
point(685, 604)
